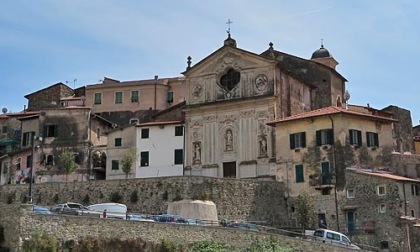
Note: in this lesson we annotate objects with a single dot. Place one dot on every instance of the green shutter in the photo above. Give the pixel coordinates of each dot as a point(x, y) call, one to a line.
point(359, 138)
point(376, 137)
point(299, 173)
point(351, 137)
point(303, 139)
point(330, 136)
point(292, 141)
point(318, 138)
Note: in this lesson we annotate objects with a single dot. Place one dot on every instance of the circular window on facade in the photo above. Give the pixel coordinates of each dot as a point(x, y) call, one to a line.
point(229, 80)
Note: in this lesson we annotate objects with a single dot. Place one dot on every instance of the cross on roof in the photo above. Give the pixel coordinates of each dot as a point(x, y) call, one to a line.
point(228, 23)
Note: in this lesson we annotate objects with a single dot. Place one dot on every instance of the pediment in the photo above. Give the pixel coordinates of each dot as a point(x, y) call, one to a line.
point(227, 58)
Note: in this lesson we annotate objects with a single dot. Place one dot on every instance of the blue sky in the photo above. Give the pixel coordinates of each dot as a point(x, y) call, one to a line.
point(377, 43)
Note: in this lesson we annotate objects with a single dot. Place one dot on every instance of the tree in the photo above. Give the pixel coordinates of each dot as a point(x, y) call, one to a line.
point(128, 158)
point(66, 162)
point(305, 211)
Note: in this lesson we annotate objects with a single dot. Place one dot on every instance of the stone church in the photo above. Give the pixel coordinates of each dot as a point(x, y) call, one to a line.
point(231, 96)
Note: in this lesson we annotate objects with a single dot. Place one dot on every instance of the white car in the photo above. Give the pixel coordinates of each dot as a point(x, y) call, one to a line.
point(106, 210)
point(334, 238)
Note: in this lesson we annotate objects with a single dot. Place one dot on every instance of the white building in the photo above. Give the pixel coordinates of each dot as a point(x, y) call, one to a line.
point(161, 149)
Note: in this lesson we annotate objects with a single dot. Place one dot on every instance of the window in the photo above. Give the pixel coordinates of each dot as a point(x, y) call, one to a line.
point(414, 190)
point(324, 137)
point(298, 140)
point(179, 156)
point(4, 130)
point(118, 97)
point(144, 158)
point(118, 142)
point(144, 133)
point(230, 79)
point(134, 96)
point(382, 208)
point(98, 98)
point(299, 174)
point(412, 213)
point(18, 162)
point(170, 96)
point(381, 190)
point(179, 130)
point(27, 138)
point(355, 137)
point(115, 165)
point(29, 161)
point(49, 160)
point(350, 193)
point(98, 133)
point(50, 130)
point(134, 121)
point(372, 139)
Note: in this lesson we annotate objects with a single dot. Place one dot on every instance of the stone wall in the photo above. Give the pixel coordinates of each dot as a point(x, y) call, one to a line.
point(252, 200)
point(26, 224)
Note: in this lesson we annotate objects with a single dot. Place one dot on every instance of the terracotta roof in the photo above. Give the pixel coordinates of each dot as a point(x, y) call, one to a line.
point(331, 110)
point(157, 123)
point(386, 175)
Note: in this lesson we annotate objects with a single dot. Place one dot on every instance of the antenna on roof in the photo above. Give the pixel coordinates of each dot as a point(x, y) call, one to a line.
point(74, 83)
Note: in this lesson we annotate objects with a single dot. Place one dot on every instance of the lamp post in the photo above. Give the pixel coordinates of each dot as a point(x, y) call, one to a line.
point(32, 166)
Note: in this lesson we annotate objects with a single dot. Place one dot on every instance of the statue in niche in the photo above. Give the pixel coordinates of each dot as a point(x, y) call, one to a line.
point(263, 146)
point(197, 153)
point(229, 140)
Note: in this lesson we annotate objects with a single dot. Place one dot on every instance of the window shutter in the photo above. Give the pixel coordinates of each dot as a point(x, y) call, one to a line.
point(359, 138)
point(330, 137)
point(351, 137)
point(292, 141)
point(318, 138)
point(44, 131)
point(299, 173)
point(303, 139)
point(376, 137)
point(368, 143)
point(55, 130)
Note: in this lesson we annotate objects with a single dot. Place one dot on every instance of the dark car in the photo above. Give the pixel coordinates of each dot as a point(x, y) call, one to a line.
point(172, 218)
point(68, 208)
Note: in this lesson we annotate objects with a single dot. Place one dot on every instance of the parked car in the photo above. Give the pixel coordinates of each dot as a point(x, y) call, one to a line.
point(172, 218)
point(137, 217)
point(333, 238)
point(240, 224)
point(106, 210)
point(68, 208)
point(41, 210)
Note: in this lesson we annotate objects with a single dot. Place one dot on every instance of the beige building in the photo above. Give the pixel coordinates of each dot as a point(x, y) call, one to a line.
point(231, 96)
point(154, 94)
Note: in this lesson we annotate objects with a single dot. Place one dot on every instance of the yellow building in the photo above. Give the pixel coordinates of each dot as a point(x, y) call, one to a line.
point(307, 146)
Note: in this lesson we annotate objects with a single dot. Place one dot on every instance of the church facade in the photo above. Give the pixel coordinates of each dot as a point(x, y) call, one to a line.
point(232, 94)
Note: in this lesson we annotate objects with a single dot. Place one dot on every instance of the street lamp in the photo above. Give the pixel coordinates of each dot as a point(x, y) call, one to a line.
point(32, 165)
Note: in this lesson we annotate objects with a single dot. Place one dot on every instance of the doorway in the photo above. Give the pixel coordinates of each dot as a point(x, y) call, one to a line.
point(229, 170)
point(322, 220)
point(351, 221)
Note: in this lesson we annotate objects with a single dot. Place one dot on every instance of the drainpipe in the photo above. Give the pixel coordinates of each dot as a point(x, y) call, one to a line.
point(156, 78)
point(335, 171)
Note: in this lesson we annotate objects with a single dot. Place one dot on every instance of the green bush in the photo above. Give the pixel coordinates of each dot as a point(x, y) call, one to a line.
point(167, 246)
point(115, 197)
point(56, 198)
point(134, 197)
point(86, 200)
point(210, 246)
point(40, 243)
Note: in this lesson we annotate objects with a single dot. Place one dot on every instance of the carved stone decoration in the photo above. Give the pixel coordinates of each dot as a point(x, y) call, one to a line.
point(262, 128)
point(247, 114)
point(229, 60)
point(197, 91)
point(197, 153)
point(261, 82)
point(229, 140)
point(263, 146)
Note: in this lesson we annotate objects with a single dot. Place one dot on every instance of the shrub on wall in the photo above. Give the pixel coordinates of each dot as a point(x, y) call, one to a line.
point(86, 200)
point(134, 197)
point(56, 198)
point(40, 242)
point(115, 197)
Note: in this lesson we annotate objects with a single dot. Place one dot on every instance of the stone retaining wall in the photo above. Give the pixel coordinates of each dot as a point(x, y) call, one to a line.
point(253, 200)
point(25, 224)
